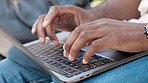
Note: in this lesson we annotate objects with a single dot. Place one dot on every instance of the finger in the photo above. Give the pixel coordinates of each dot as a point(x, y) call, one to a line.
point(96, 45)
point(34, 27)
point(71, 39)
point(82, 39)
point(51, 34)
point(54, 11)
point(88, 43)
point(74, 35)
point(41, 30)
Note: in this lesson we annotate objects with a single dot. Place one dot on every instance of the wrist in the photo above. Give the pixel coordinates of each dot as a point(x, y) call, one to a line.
point(97, 12)
point(95, 15)
point(145, 35)
point(146, 30)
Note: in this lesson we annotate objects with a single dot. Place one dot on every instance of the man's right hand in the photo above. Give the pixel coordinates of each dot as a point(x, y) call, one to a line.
point(65, 18)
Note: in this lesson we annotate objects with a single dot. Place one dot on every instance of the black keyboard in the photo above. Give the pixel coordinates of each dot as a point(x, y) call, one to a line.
point(53, 57)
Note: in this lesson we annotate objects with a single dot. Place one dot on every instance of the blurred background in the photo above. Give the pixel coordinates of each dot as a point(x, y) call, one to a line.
point(18, 16)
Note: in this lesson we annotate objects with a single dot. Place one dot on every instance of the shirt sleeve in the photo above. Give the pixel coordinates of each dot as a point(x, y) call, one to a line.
point(143, 7)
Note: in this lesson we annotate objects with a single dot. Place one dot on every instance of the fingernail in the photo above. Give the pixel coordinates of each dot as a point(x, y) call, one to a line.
point(55, 43)
point(64, 46)
point(33, 31)
point(65, 54)
point(41, 39)
point(44, 23)
point(84, 61)
point(70, 57)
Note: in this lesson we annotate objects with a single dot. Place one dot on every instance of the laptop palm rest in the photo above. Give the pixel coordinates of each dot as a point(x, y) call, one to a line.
point(114, 54)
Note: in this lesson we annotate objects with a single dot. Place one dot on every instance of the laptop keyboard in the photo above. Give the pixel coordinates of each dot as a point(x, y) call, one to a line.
point(53, 58)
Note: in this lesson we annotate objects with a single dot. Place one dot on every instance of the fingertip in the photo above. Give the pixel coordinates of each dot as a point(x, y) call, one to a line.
point(45, 23)
point(64, 46)
point(70, 57)
point(65, 53)
point(41, 40)
point(55, 43)
point(33, 31)
point(84, 61)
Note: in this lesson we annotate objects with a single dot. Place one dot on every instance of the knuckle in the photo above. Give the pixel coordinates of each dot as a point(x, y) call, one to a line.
point(94, 44)
point(41, 16)
point(40, 31)
point(104, 21)
point(34, 25)
point(73, 49)
point(78, 29)
point(83, 34)
point(40, 34)
point(67, 45)
point(87, 54)
point(69, 6)
point(53, 8)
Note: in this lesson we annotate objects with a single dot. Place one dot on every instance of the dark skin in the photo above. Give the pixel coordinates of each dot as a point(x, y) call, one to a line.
point(87, 27)
point(65, 18)
point(106, 33)
point(117, 9)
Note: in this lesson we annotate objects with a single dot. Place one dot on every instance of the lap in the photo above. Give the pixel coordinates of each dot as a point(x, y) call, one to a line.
point(11, 72)
point(133, 72)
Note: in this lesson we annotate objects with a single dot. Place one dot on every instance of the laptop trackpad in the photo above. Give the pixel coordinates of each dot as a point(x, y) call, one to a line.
point(113, 54)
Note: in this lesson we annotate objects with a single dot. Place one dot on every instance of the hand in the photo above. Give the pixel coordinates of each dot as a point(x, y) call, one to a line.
point(60, 17)
point(105, 34)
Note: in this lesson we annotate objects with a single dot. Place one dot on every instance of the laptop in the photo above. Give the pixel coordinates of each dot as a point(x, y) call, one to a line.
point(49, 59)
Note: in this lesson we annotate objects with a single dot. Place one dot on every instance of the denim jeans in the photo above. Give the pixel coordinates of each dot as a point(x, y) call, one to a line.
point(132, 72)
point(11, 72)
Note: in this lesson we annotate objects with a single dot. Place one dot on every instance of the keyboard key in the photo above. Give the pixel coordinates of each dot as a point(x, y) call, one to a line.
point(107, 60)
point(99, 63)
point(65, 68)
point(96, 57)
point(101, 59)
point(57, 64)
point(67, 63)
point(63, 61)
point(89, 66)
point(59, 54)
point(53, 57)
point(76, 73)
point(68, 75)
point(61, 66)
point(45, 60)
point(50, 62)
point(81, 53)
point(71, 65)
point(58, 59)
point(53, 63)
point(76, 66)
point(71, 70)
point(93, 60)
point(83, 69)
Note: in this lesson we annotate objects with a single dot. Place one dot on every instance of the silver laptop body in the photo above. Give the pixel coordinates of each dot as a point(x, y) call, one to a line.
point(116, 58)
